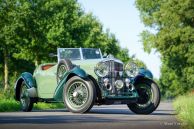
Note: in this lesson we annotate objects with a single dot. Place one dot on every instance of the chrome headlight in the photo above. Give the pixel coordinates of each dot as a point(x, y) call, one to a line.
point(131, 69)
point(119, 84)
point(101, 69)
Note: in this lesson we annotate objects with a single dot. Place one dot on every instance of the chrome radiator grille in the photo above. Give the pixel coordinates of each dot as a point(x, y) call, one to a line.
point(115, 73)
point(115, 69)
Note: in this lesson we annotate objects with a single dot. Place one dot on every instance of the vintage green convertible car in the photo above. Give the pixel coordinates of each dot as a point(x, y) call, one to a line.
point(82, 78)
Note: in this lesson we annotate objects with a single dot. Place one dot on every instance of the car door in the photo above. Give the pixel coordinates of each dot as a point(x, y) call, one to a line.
point(46, 81)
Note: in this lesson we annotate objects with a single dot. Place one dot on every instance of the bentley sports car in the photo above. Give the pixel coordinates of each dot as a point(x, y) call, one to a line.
point(82, 77)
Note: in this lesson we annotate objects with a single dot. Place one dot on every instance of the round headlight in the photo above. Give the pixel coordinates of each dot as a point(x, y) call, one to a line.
point(101, 69)
point(131, 69)
point(119, 84)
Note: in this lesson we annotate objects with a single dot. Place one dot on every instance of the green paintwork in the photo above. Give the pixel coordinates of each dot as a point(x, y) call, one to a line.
point(28, 79)
point(29, 83)
point(126, 95)
point(146, 73)
point(88, 65)
point(58, 95)
point(46, 81)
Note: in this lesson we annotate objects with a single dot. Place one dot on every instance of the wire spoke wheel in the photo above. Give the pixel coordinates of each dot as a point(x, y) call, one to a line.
point(79, 95)
point(62, 70)
point(64, 66)
point(25, 100)
point(149, 97)
point(145, 95)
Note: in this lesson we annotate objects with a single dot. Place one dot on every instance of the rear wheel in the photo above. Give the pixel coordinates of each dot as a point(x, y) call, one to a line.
point(63, 66)
point(25, 100)
point(79, 95)
point(149, 98)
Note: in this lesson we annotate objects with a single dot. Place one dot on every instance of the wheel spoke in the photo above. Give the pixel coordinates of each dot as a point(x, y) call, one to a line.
point(146, 95)
point(77, 94)
point(24, 97)
point(62, 70)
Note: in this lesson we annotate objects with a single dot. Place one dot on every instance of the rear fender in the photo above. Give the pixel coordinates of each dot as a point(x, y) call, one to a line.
point(28, 79)
point(76, 71)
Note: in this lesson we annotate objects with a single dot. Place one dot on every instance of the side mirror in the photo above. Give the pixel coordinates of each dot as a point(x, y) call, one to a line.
point(52, 55)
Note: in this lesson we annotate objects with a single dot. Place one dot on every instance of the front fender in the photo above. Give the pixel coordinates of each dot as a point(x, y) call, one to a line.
point(76, 71)
point(145, 72)
point(140, 78)
point(29, 81)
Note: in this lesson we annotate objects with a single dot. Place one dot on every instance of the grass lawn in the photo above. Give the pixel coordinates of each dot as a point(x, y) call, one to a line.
point(8, 104)
point(184, 105)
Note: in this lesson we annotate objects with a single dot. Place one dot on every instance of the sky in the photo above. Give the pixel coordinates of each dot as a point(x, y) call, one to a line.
point(122, 18)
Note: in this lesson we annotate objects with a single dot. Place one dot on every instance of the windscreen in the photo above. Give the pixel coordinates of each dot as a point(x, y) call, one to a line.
point(91, 53)
point(70, 53)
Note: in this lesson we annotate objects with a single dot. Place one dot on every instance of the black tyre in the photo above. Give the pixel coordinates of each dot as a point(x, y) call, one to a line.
point(63, 66)
point(149, 97)
point(79, 95)
point(25, 100)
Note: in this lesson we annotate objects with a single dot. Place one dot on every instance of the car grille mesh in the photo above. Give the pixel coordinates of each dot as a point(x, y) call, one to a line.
point(114, 69)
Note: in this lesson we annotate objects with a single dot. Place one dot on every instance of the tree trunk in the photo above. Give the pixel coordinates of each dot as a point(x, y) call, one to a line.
point(37, 61)
point(6, 70)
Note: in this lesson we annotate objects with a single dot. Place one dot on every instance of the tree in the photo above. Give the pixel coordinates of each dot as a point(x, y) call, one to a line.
point(33, 16)
point(31, 29)
point(63, 27)
point(9, 26)
point(173, 37)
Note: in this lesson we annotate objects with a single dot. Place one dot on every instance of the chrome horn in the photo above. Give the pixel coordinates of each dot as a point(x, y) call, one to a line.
point(107, 85)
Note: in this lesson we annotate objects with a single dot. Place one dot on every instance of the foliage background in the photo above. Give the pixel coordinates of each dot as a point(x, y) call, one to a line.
point(172, 35)
point(31, 29)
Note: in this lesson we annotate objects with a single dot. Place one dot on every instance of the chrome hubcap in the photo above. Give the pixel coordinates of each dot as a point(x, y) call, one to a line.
point(77, 94)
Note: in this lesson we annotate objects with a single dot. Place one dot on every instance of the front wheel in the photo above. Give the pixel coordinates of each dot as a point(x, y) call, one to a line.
point(149, 97)
point(79, 94)
point(25, 100)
